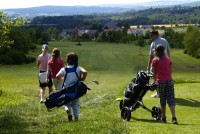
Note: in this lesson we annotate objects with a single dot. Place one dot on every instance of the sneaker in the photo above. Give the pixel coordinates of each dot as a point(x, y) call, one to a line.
point(155, 95)
point(69, 117)
point(66, 109)
point(41, 101)
point(174, 120)
point(163, 119)
point(76, 118)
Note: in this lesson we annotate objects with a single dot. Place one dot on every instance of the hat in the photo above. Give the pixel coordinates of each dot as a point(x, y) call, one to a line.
point(56, 52)
point(45, 46)
point(154, 32)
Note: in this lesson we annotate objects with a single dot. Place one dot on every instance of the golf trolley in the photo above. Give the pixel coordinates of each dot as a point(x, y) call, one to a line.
point(134, 93)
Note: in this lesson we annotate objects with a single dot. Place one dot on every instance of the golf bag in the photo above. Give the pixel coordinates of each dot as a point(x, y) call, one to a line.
point(59, 98)
point(136, 89)
point(134, 93)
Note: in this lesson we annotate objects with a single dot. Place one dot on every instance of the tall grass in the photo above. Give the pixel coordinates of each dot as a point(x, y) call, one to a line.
point(113, 65)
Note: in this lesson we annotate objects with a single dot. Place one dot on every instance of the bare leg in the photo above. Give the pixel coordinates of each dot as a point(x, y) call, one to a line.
point(163, 116)
point(172, 109)
point(50, 89)
point(174, 120)
point(163, 110)
point(42, 92)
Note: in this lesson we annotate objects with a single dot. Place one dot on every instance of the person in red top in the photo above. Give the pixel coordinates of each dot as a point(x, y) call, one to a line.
point(54, 66)
point(161, 66)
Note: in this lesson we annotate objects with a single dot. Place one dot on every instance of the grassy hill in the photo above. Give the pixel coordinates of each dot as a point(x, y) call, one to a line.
point(113, 65)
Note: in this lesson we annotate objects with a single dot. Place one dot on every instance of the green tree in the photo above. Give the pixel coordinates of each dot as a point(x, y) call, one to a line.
point(37, 36)
point(175, 39)
point(21, 40)
point(192, 41)
point(102, 37)
point(14, 42)
point(140, 42)
point(5, 28)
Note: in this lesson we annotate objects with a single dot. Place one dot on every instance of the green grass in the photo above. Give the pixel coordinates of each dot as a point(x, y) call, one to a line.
point(114, 65)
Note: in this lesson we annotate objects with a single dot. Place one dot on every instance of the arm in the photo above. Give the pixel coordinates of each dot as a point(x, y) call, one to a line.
point(60, 77)
point(151, 55)
point(154, 72)
point(83, 75)
point(48, 72)
point(149, 63)
point(38, 62)
point(154, 69)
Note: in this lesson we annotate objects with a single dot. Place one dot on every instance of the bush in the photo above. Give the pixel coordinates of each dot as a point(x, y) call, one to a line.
point(30, 59)
point(12, 56)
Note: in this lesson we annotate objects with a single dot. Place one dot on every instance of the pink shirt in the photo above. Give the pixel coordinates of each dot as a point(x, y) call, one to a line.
point(163, 67)
point(55, 66)
point(43, 61)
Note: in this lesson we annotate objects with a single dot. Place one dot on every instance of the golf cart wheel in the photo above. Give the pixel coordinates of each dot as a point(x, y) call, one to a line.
point(156, 113)
point(126, 113)
point(121, 104)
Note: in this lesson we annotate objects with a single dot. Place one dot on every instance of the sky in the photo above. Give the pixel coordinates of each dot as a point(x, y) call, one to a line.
point(5, 4)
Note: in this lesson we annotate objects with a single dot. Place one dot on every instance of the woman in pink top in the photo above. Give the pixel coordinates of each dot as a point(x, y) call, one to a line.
point(54, 66)
point(161, 66)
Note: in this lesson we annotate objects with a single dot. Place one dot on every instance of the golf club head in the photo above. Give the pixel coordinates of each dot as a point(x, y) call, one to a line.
point(96, 82)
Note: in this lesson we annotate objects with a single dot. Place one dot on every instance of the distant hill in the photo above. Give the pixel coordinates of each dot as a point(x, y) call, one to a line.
point(61, 11)
point(101, 9)
point(156, 3)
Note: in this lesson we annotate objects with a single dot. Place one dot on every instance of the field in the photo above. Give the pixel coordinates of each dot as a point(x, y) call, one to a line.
point(113, 65)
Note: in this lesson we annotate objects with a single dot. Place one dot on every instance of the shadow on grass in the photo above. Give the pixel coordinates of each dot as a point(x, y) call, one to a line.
point(146, 120)
point(187, 102)
point(1, 92)
point(11, 121)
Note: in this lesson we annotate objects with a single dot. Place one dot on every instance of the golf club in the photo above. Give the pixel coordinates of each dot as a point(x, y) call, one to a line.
point(94, 81)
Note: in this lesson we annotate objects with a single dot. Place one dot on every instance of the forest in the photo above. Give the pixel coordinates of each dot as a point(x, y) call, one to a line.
point(176, 15)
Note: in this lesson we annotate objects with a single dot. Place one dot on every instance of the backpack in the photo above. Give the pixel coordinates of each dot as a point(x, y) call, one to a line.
point(71, 70)
point(60, 98)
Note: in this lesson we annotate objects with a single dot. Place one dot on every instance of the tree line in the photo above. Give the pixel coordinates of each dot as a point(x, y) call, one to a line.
point(17, 39)
point(176, 15)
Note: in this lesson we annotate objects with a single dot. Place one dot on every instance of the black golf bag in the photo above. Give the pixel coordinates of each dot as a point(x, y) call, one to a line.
point(59, 98)
point(136, 89)
point(134, 93)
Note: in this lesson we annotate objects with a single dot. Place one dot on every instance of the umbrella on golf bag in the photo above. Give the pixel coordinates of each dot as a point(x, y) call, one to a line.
point(59, 98)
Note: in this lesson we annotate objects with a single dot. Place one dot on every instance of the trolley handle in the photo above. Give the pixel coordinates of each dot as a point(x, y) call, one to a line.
point(149, 74)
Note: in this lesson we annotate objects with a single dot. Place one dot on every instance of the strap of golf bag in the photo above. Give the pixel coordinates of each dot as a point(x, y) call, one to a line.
point(66, 69)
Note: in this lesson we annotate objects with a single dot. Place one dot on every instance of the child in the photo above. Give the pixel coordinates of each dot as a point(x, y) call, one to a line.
point(54, 65)
point(74, 74)
point(161, 66)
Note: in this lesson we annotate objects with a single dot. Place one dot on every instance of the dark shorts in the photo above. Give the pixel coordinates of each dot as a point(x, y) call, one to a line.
point(166, 92)
point(49, 84)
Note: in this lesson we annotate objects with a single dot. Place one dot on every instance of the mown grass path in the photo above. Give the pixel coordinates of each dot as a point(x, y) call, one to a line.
point(113, 65)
